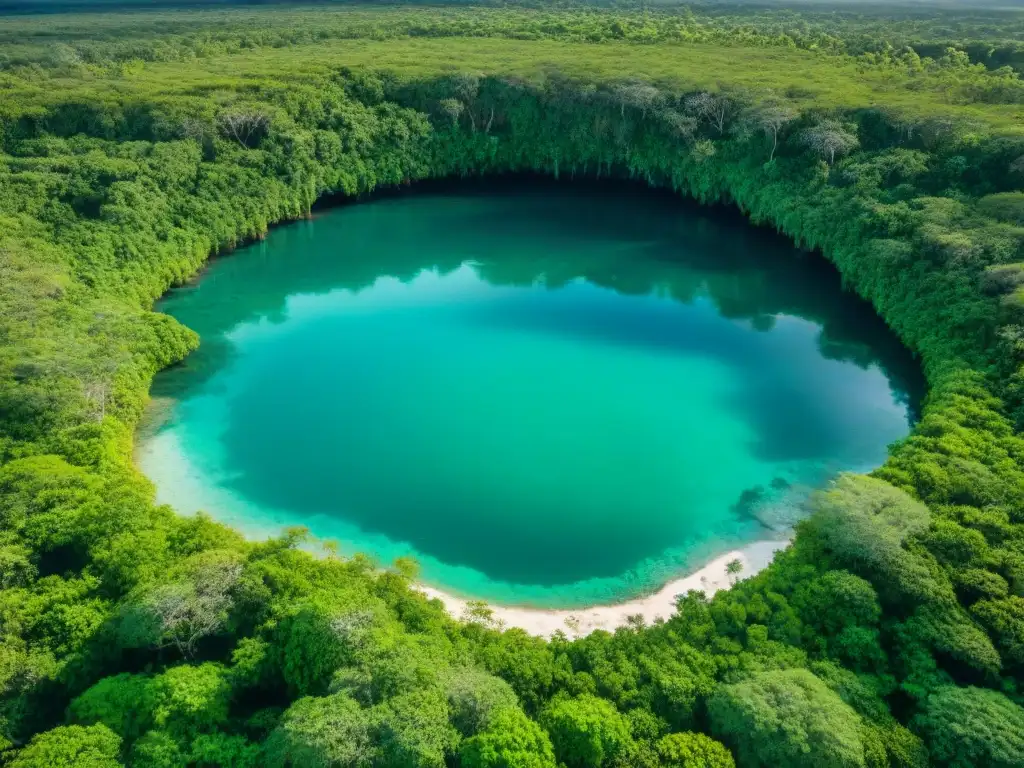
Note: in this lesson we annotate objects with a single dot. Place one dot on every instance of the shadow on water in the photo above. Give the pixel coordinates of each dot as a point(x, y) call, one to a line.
point(653, 244)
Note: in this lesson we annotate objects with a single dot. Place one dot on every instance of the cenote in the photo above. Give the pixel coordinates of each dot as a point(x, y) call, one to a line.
point(551, 394)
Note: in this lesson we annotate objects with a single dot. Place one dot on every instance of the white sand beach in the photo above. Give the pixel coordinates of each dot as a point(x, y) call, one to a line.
point(545, 622)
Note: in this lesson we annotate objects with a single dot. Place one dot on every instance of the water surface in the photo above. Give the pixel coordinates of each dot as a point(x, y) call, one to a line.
point(547, 394)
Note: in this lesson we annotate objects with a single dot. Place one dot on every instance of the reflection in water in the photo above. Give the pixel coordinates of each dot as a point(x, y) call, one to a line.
point(547, 393)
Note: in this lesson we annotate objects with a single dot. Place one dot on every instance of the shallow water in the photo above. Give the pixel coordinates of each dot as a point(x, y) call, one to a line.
point(548, 394)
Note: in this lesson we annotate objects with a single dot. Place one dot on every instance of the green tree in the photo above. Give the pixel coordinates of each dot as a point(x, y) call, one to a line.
point(183, 612)
point(733, 568)
point(1004, 206)
point(830, 138)
point(191, 699)
point(586, 731)
point(949, 630)
point(786, 717)
point(693, 750)
point(954, 545)
point(157, 749)
point(332, 731)
point(385, 663)
point(511, 740)
point(770, 117)
point(1004, 619)
point(970, 727)
point(315, 639)
point(71, 746)
point(222, 749)
point(863, 522)
point(124, 703)
point(474, 697)
point(837, 600)
point(523, 661)
point(414, 729)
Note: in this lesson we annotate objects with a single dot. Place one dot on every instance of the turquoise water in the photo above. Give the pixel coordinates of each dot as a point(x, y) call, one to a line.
point(548, 394)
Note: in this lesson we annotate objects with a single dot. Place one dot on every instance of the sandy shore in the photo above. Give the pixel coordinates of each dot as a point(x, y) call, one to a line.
point(539, 621)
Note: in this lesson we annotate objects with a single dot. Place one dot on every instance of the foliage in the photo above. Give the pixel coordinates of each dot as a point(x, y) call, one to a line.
point(693, 750)
point(330, 731)
point(122, 702)
point(972, 726)
point(475, 698)
point(511, 740)
point(134, 146)
point(71, 746)
point(787, 717)
point(586, 731)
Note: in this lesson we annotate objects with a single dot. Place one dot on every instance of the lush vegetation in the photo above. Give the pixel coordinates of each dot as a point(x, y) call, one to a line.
point(994, 38)
point(890, 634)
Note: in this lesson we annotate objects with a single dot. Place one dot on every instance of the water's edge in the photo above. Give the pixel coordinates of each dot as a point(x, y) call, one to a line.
point(543, 622)
point(650, 599)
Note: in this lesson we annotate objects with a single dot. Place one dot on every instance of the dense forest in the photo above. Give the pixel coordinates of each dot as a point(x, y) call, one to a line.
point(994, 38)
point(134, 146)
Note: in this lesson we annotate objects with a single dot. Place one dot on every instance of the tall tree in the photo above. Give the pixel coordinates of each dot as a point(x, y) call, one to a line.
point(71, 746)
point(971, 727)
point(787, 717)
point(511, 740)
point(587, 732)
